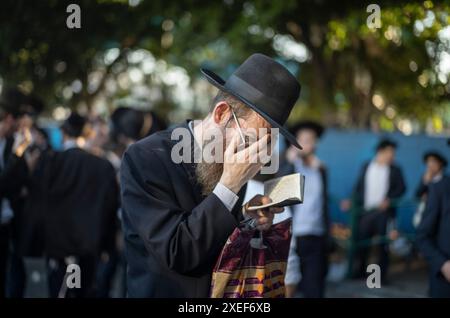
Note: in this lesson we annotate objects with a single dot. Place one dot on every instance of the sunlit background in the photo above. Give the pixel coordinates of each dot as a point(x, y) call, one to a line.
point(393, 78)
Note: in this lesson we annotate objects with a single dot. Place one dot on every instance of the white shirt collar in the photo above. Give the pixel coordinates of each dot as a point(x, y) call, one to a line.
point(437, 178)
point(315, 163)
point(69, 144)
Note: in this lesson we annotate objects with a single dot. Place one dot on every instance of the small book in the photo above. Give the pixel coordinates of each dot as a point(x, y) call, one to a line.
point(283, 191)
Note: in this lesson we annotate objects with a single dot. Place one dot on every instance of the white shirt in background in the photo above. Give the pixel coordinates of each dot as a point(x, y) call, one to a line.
point(308, 217)
point(70, 144)
point(376, 185)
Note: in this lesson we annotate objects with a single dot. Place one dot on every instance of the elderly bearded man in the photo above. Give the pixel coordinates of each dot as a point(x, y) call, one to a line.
point(177, 217)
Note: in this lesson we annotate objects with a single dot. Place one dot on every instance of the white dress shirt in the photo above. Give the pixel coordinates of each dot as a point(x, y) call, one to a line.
point(376, 185)
point(308, 217)
point(70, 144)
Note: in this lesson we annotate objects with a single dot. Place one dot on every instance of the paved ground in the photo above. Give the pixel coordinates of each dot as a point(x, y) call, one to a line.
point(404, 282)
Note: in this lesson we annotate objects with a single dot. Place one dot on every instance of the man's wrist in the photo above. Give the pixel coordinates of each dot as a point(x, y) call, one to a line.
point(230, 185)
point(228, 197)
point(244, 211)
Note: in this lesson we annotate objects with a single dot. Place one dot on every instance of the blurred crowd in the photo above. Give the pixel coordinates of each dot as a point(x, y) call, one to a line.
point(377, 194)
point(64, 205)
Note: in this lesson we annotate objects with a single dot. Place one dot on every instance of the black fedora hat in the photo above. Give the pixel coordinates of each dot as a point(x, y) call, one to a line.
point(265, 86)
point(74, 125)
point(308, 124)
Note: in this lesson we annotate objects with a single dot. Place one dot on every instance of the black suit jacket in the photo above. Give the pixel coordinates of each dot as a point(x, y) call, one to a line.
point(12, 174)
point(396, 186)
point(72, 204)
point(433, 235)
point(173, 234)
point(12, 178)
point(6, 172)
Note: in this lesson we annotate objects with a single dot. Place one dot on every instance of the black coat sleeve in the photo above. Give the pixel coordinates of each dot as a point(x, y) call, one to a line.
point(358, 191)
point(181, 239)
point(111, 205)
point(13, 177)
point(397, 187)
point(427, 231)
point(421, 190)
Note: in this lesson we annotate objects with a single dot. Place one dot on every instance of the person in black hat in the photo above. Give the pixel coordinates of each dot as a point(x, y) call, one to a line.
point(72, 128)
point(178, 211)
point(379, 186)
point(72, 210)
point(14, 105)
point(310, 219)
point(435, 166)
point(129, 125)
point(433, 232)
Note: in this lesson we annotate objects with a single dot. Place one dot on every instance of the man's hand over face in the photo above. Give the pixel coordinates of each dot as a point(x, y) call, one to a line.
point(240, 165)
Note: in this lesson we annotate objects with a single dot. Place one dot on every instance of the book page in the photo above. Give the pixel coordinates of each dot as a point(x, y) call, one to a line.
point(283, 191)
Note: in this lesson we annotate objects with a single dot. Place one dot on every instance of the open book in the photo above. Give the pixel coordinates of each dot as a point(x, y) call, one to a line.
point(283, 191)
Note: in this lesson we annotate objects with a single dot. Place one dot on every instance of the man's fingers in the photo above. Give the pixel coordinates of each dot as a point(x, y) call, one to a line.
point(264, 221)
point(264, 227)
point(265, 150)
point(231, 148)
point(256, 200)
point(265, 200)
point(263, 217)
point(256, 153)
point(276, 210)
point(260, 147)
point(262, 142)
point(258, 197)
point(255, 148)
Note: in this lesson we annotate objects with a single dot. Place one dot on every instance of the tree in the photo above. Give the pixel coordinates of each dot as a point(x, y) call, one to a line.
point(352, 75)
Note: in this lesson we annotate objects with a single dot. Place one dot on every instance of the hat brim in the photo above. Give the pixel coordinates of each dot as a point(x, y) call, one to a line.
point(218, 82)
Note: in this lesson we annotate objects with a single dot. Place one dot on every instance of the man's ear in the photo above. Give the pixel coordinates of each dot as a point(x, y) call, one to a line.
point(221, 113)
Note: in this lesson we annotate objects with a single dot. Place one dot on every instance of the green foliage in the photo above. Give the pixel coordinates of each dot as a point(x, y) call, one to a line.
point(348, 62)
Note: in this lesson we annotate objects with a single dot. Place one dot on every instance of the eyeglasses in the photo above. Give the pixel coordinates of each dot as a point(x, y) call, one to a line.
point(239, 126)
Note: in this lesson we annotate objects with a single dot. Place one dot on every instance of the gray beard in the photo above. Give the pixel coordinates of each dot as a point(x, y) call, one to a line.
point(208, 176)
